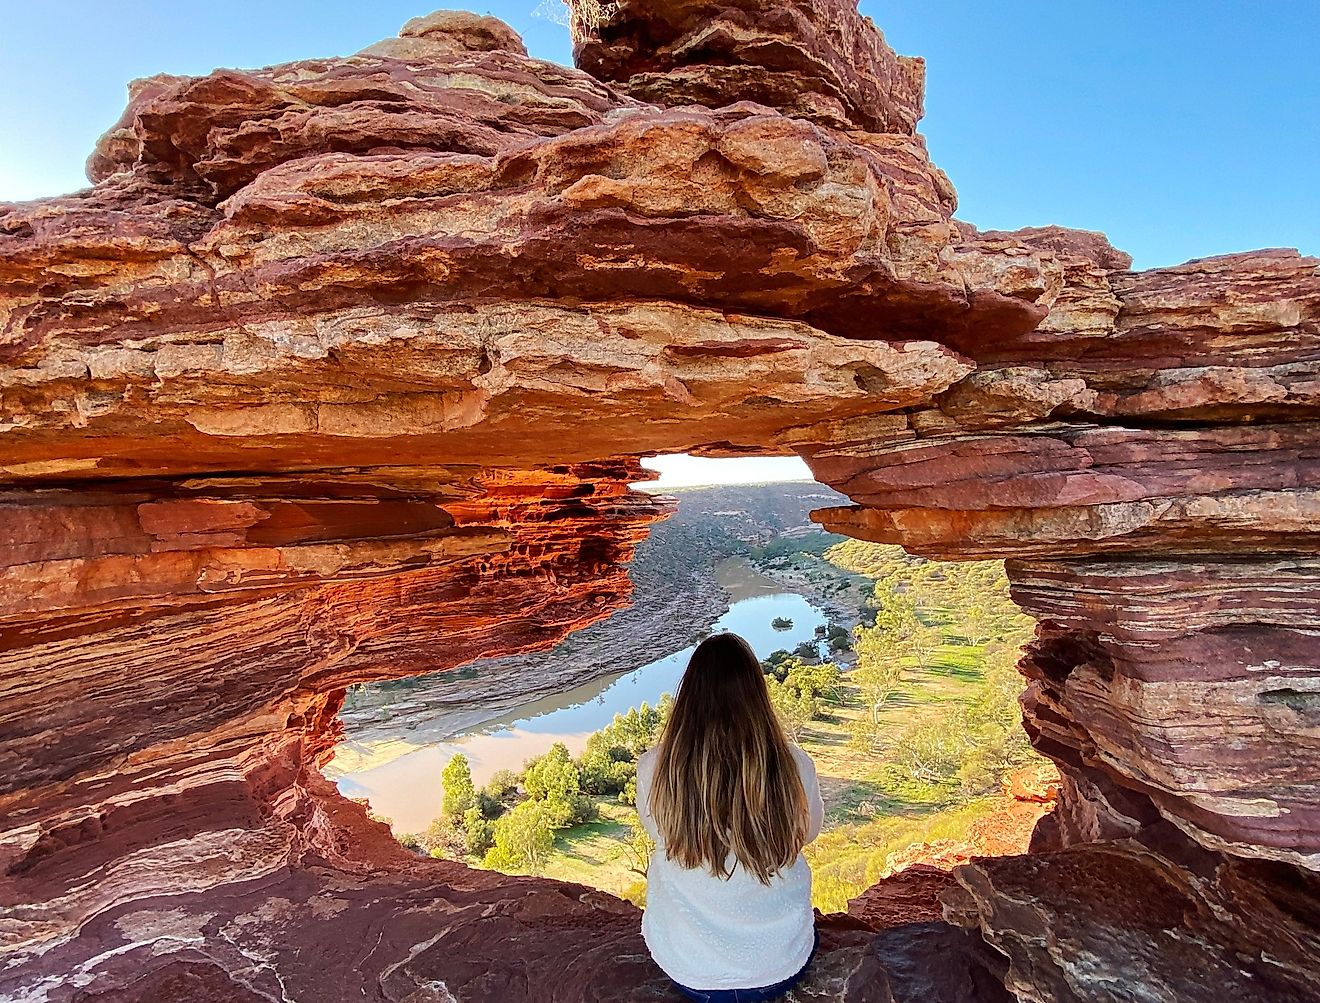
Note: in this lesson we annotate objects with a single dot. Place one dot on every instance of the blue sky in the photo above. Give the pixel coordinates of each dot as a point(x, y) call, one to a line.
point(1181, 129)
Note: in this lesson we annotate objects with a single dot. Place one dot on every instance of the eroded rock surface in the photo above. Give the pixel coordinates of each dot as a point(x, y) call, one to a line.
point(1117, 920)
point(812, 59)
point(340, 372)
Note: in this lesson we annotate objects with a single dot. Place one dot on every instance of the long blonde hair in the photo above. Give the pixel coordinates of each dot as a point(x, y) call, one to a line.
point(725, 777)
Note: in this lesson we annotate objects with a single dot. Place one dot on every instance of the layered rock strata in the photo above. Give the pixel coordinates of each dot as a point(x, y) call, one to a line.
point(340, 370)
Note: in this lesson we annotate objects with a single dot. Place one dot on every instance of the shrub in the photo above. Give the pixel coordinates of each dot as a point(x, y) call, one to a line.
point(839, 639)
point(774, 664)
point(639, 846)
point(479, 833)
point(820, 680)
point(807, 649)
point(794, 710)
point(503, 786)
point(934, 750)
point(635, 893)
point(410, 841)
point(445, 837)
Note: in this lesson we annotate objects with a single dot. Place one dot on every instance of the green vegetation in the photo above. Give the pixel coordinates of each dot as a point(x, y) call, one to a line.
point(910, 743)
point(460, 795)
point(934, 719)
point(523, 838)
point(816, 542)
point(932, 625)
point(515, 823)
point(846, 860)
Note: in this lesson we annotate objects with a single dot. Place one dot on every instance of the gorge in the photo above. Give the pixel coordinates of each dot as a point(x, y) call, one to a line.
point(342, 369)
point(687, 583)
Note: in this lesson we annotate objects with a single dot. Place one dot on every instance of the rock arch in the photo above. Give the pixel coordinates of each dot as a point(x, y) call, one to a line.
point(341, 371)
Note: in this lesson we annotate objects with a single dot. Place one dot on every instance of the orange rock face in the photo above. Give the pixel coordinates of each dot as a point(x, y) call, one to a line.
point(340, 372)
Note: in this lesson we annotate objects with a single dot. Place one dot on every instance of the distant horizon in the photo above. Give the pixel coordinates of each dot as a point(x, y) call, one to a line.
point(681, 470)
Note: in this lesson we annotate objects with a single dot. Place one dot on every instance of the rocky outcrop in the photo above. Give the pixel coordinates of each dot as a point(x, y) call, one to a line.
point(1117, 920)
point(811, 59)
point(910, 895)
point(340, 370)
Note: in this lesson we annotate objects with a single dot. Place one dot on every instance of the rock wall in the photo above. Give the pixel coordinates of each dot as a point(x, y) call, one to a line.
point(340, 372)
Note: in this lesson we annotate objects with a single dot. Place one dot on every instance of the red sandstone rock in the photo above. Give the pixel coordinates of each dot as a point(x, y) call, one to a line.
point(910, 895)
point(337, 372)
point(815, 59)
point(454, 84)
point(1102, 921)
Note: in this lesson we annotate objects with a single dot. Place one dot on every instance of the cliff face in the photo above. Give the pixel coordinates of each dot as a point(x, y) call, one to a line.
point(340, 372)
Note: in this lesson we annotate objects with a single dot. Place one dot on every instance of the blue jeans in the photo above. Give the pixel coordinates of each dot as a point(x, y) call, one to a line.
point(749, 995)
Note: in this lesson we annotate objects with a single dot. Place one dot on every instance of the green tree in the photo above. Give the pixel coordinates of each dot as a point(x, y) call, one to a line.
point(879, 671)
point(795, 710)
point(998, 741)
point(840, 639)
point(774, 665)
point(976, 623)
point(820, 680)
point(551, 774)
point(896, 616)
point(503, 786)
point(609, 762)
point(606, 768)
point(459, 793)
point(895, 612)
point(639, 847)
point(523, 839)
point(933, 750)
point(553, 780)
point(807, 649)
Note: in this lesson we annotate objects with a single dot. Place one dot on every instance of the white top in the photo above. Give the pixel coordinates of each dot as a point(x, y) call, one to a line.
point(710, 932)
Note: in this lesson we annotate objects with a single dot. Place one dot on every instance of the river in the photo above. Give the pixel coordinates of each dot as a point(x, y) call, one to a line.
point(406, 787)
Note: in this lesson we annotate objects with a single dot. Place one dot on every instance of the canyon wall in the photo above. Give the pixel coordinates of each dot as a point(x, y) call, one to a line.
point(341, 370)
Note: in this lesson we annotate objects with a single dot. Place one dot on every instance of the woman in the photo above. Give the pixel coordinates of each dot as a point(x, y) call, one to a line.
point(730, 804)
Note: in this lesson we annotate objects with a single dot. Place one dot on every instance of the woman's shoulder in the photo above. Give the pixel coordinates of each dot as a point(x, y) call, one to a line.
point(646, 761)
point(805, 763)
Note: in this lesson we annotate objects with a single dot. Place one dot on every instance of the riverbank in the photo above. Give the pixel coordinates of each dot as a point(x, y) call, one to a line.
point(843, 595)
